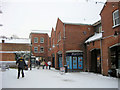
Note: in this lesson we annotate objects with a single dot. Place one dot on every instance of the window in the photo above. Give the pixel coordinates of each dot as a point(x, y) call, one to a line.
point(35, 40)
point(41, 49)
point(35, 49)
point(53, 44)
point(59, 36)
point(84, 32)
point(116, 20)
point(41, 40)
point(100, 29)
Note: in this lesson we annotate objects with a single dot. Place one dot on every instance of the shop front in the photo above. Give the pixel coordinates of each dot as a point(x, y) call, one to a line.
point(74, 61)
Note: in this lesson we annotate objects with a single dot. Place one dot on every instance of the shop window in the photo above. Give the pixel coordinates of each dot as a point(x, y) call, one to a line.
point(116, 20)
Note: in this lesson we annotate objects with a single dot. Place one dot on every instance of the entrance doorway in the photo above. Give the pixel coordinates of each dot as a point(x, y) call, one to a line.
point(95, 61)
point(53, 60)
point(115, 59)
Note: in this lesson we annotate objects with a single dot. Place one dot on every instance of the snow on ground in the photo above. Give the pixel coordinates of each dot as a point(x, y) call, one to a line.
point(0, 80)
point(39, 78)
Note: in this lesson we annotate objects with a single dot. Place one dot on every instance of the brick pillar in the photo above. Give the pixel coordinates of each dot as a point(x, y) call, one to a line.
point(88, 60)
point(105, 58)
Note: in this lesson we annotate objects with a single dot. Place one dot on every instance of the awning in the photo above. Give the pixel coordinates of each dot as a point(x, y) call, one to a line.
point(96, 36)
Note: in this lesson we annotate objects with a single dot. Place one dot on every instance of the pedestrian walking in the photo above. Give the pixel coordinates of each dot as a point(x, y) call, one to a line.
point(46, 65)
point(38, 64)
point(21, 65)
point(49, 64)
point(43, 64)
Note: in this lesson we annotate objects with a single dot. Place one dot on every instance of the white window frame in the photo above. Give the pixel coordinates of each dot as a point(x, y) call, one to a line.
point(100, 29)
point(41, 40)
point(35, 50)
point(36, 41)
point(114, 19)
point(59, 36)
point(53, 45)
point(40, 49)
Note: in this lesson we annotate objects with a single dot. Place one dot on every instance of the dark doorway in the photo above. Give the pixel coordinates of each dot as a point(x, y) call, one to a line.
point(53, 61)
point(115, 59)
point(95, 61)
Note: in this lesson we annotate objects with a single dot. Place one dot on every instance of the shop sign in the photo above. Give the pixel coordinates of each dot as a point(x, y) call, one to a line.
point(74, 54)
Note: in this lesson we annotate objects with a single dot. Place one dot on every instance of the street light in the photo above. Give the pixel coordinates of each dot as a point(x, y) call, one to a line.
point(30, 56)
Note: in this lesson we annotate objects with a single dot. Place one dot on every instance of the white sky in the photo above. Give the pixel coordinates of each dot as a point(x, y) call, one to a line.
point(21, 16)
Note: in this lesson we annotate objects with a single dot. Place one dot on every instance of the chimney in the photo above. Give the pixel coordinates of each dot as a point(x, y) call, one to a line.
point(3, 41)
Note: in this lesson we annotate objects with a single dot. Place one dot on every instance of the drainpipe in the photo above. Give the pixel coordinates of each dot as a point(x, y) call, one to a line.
point(64, 44)
point(101, 53)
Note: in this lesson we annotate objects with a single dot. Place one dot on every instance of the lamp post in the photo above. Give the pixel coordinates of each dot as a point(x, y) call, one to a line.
point(30, 56)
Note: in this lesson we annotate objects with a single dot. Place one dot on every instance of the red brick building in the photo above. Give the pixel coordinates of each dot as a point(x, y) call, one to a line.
point(67, 45)
point(51, 51)
point(39, 45)
point(103, 54)
point(110, 41)
point(9, 48)
point(93, 49)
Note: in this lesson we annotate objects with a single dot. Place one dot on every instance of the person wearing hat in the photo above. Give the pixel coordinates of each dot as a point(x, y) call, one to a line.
point(21, 65)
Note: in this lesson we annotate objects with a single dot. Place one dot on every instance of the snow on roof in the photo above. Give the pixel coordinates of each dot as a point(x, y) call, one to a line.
point(80, 21)
point(40, 31)
point(17, 40)
point(14, 51)
point(95, 37)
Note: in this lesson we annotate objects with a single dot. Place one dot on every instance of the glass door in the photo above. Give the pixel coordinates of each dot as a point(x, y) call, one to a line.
point(80, 62)
point(69, 62)
point(74, 62)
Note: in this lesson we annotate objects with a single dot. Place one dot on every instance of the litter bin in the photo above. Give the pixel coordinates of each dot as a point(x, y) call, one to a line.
point(65, 68)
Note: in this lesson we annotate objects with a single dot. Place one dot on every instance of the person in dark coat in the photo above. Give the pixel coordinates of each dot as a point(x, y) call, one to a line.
point(21, 65)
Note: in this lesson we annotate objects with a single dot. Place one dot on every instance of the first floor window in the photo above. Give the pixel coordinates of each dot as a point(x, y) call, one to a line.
point(35, 40)
point(41, 49)
point(41, 40)
point(116, 20)
point(35, 49)
point(100, 29)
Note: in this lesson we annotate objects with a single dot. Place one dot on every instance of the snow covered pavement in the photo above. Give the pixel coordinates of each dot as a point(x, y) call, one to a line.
point(39, 78)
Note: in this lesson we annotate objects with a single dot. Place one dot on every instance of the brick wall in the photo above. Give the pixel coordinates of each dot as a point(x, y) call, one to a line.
point(12, 47)
point(107, 25)
point(45, 44)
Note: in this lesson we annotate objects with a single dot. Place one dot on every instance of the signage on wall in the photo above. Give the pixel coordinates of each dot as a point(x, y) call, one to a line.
point(74, 54)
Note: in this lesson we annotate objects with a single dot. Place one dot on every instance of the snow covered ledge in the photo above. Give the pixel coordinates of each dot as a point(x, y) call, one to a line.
point(95, 37)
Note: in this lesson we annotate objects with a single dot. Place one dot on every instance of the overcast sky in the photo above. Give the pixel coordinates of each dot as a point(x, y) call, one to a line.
point(19, 17)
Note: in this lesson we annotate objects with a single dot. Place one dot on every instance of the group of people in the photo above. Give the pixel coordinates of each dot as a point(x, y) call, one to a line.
point(22, 65)
point(45, 64)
